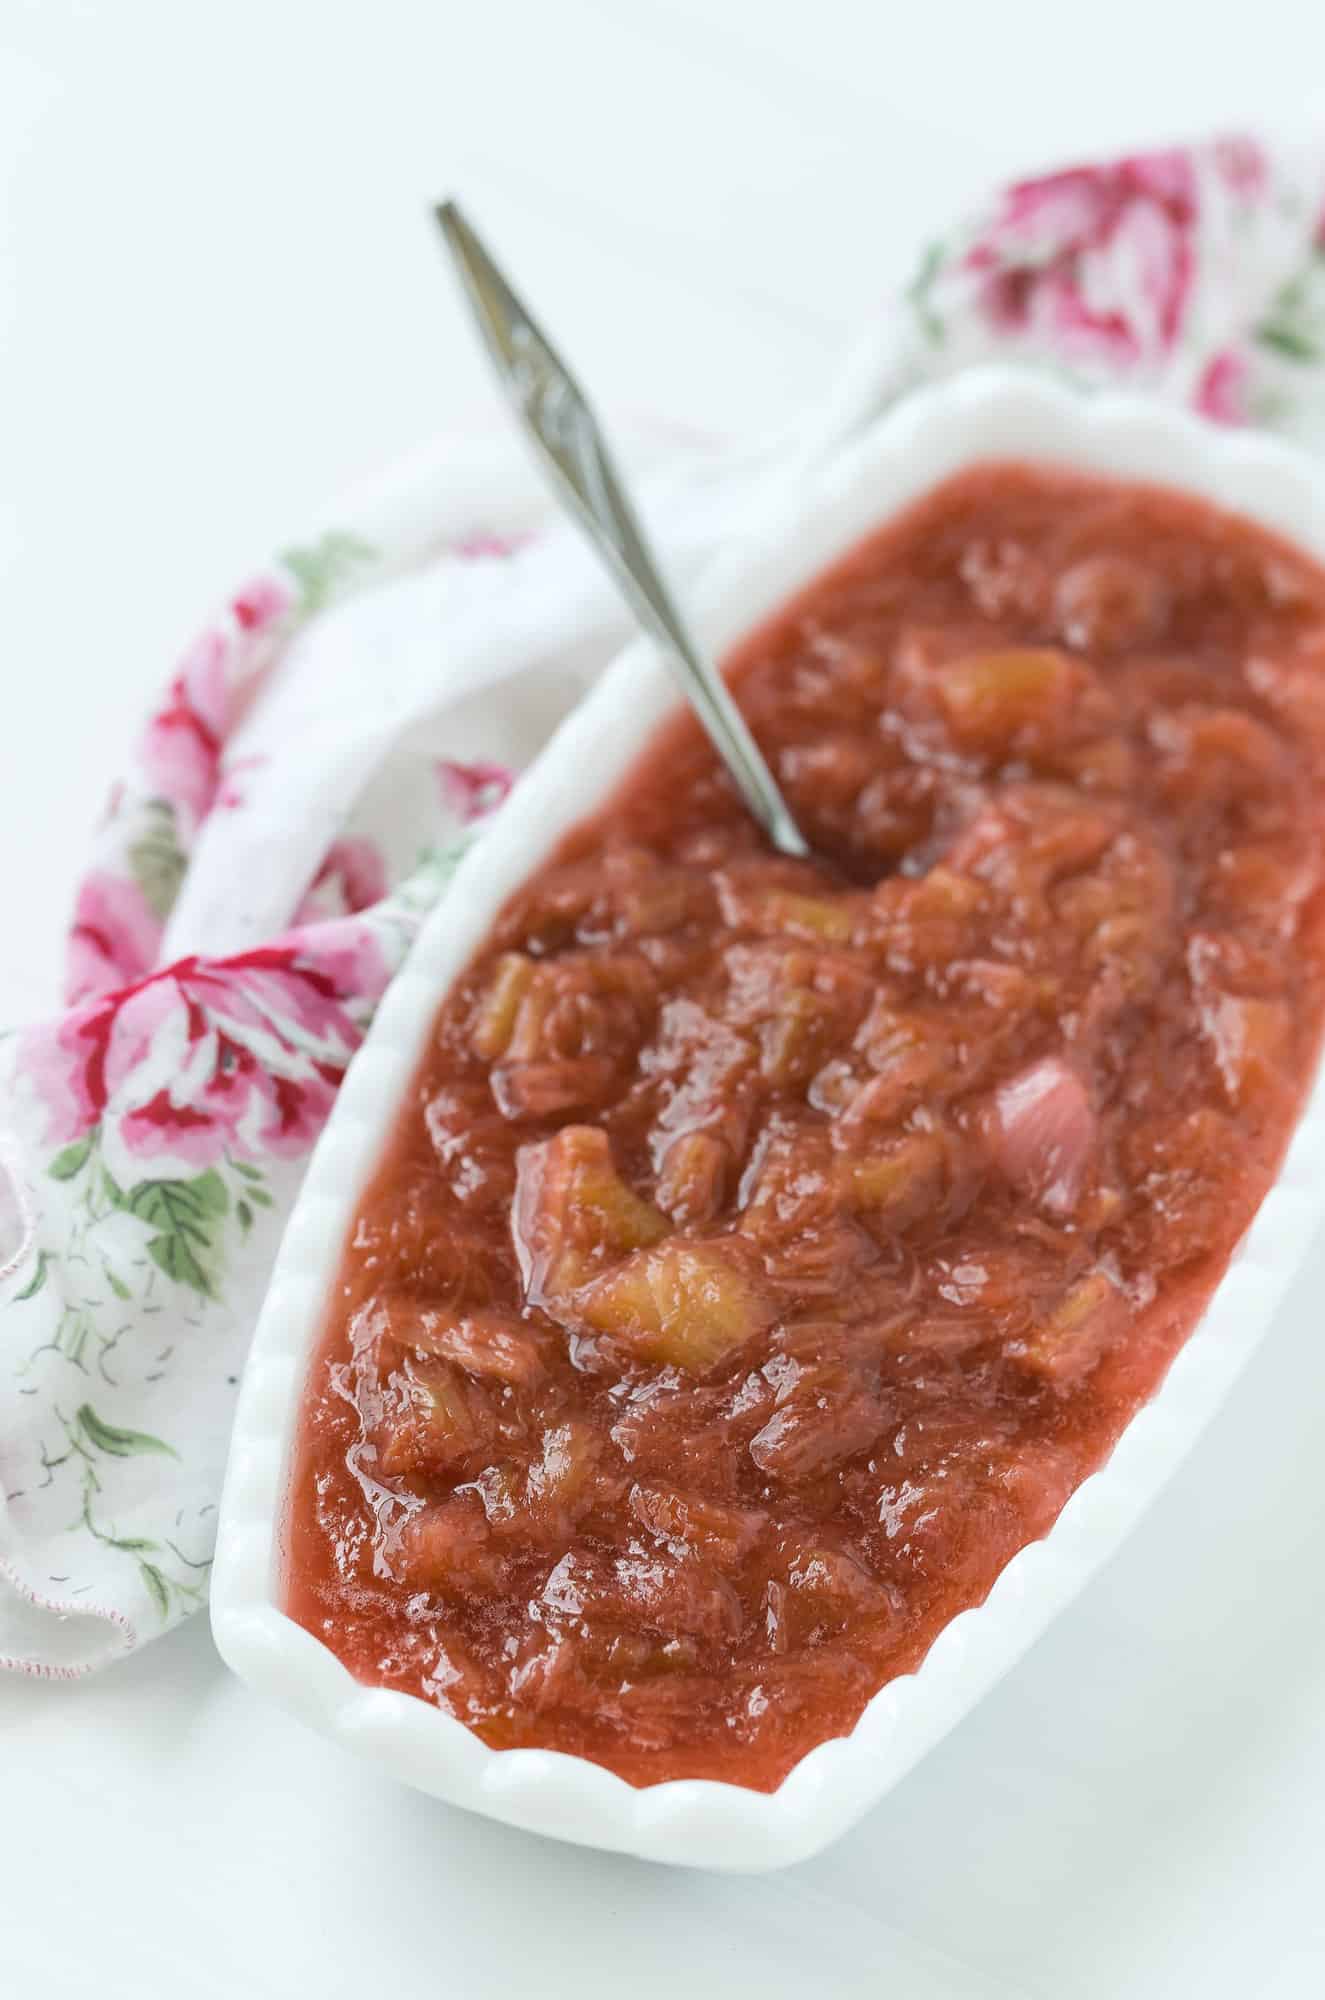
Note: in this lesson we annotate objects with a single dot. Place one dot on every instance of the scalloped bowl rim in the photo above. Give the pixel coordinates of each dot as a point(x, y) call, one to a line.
point(982, 415)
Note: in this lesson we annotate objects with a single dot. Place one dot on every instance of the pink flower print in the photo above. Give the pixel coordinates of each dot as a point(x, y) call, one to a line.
point(345, 971)
point(481, 542)
point(1241, 164)
point(235, 1104)
point(114, 935)
point(1221, 392)
point(240, 1055)
point(261, 602)
point(182, 747)
point(352, 876)
point(1096, 262)
point(471, 790)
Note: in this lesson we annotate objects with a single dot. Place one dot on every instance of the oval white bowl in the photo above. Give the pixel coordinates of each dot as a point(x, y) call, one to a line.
point(986, 414)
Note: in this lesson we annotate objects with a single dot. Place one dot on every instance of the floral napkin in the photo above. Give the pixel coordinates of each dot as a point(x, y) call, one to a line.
point(327, 749)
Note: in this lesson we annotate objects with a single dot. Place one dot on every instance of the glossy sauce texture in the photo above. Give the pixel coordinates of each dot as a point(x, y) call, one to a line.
point(766, 1250)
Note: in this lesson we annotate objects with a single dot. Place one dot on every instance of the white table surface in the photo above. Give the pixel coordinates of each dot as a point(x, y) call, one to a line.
point(219, 301)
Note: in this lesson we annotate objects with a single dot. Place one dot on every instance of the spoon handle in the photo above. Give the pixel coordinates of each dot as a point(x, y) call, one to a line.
point(559, 421)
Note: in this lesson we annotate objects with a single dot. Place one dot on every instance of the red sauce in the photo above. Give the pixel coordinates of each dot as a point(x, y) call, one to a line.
point(766, 1250)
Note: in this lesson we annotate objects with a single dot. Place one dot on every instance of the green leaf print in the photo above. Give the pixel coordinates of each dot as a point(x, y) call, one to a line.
point(176, 1256)
point(1287, 340)
point(211, 1192)
point(36, 1281)
point(70, 1160)
point(157, 860)
point(1294, 326)
point(323, 569)
point(918, 294)
point(184, 1214)
point(157, 1586)
point(118, 1443)
point(117, 1284)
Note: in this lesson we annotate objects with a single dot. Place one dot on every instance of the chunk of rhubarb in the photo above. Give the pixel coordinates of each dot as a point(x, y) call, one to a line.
point(563, 1009)
point(543, 1089)
point(562, 1481)
point(1122, 913)
point(1067, 1344)
point(791, 1039)
point(693, 1178)
point(794, 1186)
point(1042, 1132)
point(798, 1002)
point(449, 1551)
point(443, 1421)
point(494, 1020)
point(648, 898)
point(1033, 836)
point(908, 1054)
point(895, 1184)
point(573, 1214)
point(790, 913)
point(1269, 882)
point(707, 1076)
point(1105, 764)
point(824, 1422)
point(1213, 752)
point(1294, 690)
point(818, 1590)
point(1106, 602)
point(1188, 1171)
point(687, 1305)
point(1250, 1039)
point(995, 701)
point(494, 1345)
point(645, 1588)
point(943, 892)
point(722, 1534)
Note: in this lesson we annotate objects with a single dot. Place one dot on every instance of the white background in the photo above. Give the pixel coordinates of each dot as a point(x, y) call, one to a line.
point(220, 300)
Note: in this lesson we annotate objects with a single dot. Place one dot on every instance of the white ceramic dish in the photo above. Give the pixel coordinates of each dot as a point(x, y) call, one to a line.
point(982, 415)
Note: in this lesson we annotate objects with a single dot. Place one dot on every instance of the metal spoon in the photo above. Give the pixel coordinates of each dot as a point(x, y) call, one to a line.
point(568, 441)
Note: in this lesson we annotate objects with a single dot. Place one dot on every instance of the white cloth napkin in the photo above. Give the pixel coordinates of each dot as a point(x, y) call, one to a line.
point(326, 750)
